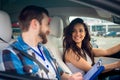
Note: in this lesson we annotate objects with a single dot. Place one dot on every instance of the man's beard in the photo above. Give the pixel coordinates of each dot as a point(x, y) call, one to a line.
point(43, 37)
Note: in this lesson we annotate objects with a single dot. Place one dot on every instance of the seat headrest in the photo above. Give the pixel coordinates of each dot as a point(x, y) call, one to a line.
point(5, 26)
point(56, 27)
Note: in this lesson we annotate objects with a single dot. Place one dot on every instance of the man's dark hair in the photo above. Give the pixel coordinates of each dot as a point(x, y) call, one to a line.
point(29, 13)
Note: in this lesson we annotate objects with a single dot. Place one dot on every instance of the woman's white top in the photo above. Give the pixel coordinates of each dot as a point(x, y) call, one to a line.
point(74, 69)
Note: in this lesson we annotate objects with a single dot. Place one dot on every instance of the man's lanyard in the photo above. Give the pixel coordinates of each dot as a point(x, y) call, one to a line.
point(43, 58)
point(39, 54)
point(53, 64)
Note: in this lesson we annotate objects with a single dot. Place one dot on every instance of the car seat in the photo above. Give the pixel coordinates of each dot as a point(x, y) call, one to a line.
point(5, 33)
point(54, 43)
point(5, 29)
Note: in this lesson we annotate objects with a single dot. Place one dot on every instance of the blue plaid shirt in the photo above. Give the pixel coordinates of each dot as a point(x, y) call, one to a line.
point(15, 62)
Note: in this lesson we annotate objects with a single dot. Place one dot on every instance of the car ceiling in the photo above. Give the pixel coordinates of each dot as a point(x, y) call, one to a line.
point(90, 8)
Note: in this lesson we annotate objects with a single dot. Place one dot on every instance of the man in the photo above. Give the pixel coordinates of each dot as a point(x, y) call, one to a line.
point(34, 23)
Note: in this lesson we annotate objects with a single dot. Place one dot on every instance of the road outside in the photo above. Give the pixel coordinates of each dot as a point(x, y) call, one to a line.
point(106, 42)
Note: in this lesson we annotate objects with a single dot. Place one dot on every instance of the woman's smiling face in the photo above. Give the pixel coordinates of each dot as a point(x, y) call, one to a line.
point(78, 33)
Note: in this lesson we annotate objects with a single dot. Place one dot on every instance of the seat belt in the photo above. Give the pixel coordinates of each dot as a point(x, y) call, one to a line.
point(33, 59)
point(29, 56)
point(3, 40)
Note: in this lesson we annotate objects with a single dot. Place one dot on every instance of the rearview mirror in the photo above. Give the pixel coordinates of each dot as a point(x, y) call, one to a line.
point(116, 19)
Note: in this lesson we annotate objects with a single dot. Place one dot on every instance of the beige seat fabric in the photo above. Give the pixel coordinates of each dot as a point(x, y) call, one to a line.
point(5, 33)
point(55, 41)
point(5, 29)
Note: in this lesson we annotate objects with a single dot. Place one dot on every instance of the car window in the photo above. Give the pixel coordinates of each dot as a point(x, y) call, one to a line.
point(15, 30)
point(104, 33)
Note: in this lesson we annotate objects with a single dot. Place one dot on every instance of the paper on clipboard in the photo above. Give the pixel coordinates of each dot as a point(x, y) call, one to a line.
point(94, 71)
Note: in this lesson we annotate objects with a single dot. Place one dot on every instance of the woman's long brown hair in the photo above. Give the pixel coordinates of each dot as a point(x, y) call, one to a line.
point(68, 42)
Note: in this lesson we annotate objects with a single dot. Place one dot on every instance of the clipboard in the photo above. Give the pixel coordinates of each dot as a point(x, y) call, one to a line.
point(94, 71)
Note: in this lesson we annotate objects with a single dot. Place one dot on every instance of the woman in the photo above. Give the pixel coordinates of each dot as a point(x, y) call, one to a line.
point(78, 51)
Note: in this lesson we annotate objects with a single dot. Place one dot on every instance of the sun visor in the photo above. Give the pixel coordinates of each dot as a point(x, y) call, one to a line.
point(103, 13)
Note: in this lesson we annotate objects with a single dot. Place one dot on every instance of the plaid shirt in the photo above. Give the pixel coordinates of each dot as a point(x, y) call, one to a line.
point(14, 62)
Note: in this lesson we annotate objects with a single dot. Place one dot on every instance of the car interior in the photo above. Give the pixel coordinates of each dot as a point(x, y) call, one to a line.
point(60, 11)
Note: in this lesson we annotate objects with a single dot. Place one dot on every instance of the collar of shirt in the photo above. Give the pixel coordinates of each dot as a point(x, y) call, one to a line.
point(20, 44)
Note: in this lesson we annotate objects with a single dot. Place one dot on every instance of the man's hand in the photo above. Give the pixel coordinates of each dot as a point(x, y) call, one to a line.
point(76, 76)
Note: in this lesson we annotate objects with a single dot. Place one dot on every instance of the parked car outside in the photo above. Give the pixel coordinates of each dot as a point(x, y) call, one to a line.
point(111, 33)
point(118, 34)
point(100, 33)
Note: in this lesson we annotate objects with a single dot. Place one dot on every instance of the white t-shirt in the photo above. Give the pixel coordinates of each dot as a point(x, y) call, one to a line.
point(46, 63)
point(74, 69)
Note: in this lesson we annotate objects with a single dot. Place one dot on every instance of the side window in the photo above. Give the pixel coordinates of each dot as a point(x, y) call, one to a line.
point(104, 34)
point(16, 30)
